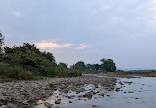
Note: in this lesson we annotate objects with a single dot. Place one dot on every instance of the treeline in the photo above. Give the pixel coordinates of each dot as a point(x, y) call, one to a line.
point(28, 62)
point(107, 65)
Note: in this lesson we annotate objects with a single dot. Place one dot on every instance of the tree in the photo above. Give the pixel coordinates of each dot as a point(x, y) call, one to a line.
point(1, 43)
point(89, 67)
point(49, 56)
point(109, 65)
point(96, 67)
point(64, 65)
point(80, 65)
point(103, 60)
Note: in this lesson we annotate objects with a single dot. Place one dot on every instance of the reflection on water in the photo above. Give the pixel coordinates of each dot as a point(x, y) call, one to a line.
point(131, 93)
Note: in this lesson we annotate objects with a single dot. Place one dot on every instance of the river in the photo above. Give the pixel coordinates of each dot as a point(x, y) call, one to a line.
point(131, 93)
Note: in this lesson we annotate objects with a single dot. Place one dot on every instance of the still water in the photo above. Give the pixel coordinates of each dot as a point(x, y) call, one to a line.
point(133, 93)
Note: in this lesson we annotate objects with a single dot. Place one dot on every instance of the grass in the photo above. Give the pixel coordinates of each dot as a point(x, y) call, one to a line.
point(144, 74)
point(7, 79)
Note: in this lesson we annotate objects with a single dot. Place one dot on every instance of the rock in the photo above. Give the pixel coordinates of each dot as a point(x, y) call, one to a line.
point(70, 102)
point(95, 106)
point(25, 102)
point(117, 89)
point(88, 95)
point(47, 104)
point(121, 83)
point(98, 92)
point(66, 91)
point(10, 105)
point(4, 106)
point(101, 95)
point(130, 92)
point(94, 92)
point(58, 101)
point(19, 91)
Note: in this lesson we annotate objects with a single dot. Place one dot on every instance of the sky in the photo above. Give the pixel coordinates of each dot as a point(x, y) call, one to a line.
point(85, 30)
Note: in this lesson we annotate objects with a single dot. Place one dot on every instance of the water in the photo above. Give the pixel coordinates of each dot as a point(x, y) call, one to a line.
point(141, 93)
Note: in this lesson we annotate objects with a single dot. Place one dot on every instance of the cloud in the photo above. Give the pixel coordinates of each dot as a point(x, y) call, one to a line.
point(154, 16)
point(2, 27)
point(117, 19)
point(105, 7)
point(154, 1)
point(100, 9)
point(17, 14)
point(44, 44)
point(154, 8)
point(82, 46)
point(152, 21)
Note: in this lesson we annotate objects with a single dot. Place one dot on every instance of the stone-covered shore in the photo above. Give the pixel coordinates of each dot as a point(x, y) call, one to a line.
point(24, 93)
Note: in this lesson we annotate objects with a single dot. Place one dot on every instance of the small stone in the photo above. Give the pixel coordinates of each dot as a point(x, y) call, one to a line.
point(117, 89)
point(101, 95)
point(70, 102)
point(47, 104)
point(25, 102)
point(88, 95)
point(130, 92)
point(58, 101)
point(95, 106)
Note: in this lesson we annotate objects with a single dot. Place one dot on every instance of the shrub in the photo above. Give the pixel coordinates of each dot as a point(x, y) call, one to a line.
point(47, 71)
point(15, 72)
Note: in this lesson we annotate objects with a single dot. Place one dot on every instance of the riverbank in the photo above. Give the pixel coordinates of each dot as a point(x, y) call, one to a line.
point(26, 93)
point(125, 74)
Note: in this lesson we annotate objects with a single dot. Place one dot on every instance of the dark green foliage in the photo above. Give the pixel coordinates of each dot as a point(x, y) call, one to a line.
point(80, 65)
point(15, 72)
point(26, 62)
point(74, 73)
point(30, 58)
point(108, 65)
point(65, 72)
point(48, 56)
point(64, 65)
point(47, 71)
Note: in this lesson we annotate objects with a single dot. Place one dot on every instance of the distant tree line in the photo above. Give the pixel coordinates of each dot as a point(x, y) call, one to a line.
point(107, 65)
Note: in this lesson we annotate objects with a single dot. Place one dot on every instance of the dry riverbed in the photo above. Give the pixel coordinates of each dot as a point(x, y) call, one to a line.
point(33, 93)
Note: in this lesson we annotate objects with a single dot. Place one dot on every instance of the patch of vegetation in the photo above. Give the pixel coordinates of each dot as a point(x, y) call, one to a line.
point(27, 62)
point(107, 65)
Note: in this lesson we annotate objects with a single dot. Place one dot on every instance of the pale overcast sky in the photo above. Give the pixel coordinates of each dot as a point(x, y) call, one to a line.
point(87, 30)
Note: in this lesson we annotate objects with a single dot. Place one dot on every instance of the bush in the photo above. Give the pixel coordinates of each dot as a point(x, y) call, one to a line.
point(15, 72)
point(65, 72)
point(75, 73)
point(62, 72)
point(47, 71)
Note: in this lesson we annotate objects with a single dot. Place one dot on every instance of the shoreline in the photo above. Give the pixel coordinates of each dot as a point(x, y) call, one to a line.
point(26, 93)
